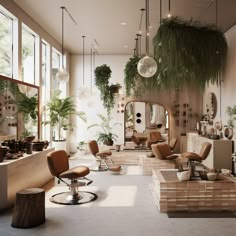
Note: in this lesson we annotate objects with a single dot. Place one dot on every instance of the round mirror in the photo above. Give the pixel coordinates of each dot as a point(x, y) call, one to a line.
point(228, 132)
point(211, 105)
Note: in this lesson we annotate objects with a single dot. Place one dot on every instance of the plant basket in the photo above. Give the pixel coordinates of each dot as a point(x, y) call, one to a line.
point(114, 88)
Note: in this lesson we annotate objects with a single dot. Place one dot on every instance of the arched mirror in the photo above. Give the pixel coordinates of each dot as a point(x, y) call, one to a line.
point(143, 118)
point(211, 105)
point(18, 109)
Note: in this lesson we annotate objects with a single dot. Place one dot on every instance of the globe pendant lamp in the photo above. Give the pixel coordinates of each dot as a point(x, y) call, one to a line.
point(147, 66)
point(62, 74)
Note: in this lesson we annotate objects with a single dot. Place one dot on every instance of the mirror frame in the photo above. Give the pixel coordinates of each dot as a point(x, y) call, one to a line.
point(144, 101)
point(29, 85)
point(211, 105)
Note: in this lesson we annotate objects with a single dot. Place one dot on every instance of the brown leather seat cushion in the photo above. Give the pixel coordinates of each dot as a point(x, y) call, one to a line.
point(171, 157)
point(104, 153)
point(76, 172)
point(115, 168)
point(192, 156)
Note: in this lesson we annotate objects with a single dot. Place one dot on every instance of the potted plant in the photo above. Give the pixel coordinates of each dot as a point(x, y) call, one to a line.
point(59, 111)
point(231, 112)
point(108, 92)
point(106, 136)
point(114, 88)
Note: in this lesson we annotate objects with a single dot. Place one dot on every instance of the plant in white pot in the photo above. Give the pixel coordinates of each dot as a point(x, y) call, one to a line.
point(59, 111)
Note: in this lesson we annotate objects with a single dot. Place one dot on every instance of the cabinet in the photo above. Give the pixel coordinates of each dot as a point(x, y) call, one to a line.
point(30, 171)
point(220, 154)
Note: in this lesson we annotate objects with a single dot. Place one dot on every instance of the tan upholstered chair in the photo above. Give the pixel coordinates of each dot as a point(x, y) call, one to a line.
point(58, 165)
point(154, 137)
point(102, 157)
point(195, 158)
point(163, 151)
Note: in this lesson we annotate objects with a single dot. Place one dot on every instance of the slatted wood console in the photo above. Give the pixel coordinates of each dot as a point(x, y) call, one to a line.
point(172, 195)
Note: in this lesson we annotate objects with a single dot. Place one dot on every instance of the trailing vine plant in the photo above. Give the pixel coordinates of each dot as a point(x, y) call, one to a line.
point(189, 53)
point(133, 80)
point(108, 92)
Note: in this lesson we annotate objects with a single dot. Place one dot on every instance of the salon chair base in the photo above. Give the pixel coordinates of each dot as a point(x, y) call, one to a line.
point(102, 166)
point(66, 198)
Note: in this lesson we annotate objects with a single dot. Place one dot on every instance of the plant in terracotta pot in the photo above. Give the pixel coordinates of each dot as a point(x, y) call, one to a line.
point(106, 136)
point(59, 111)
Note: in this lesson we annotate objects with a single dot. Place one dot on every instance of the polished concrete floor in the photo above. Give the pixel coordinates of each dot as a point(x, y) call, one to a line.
point(124, 207)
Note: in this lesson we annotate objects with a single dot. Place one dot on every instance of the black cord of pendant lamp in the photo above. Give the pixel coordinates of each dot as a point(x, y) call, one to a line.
point(83, 58)
point(62, 34)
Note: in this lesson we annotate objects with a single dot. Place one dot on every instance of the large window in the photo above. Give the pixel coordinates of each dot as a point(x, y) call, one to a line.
point(45, 87)
point(6, 45)
point(28, 55)
point(56, 65)
point(56, 59)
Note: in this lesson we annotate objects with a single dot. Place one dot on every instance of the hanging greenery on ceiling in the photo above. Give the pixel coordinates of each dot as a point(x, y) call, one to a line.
point(188, 53)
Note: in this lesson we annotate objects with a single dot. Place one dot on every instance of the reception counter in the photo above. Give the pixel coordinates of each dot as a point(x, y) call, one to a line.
point(29, 171)
point(172, 195)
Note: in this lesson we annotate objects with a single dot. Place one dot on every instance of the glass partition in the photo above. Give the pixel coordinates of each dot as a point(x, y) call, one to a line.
point(18, 109)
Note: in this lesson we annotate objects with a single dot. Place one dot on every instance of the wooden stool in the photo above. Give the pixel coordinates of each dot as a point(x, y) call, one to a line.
point(29, 209)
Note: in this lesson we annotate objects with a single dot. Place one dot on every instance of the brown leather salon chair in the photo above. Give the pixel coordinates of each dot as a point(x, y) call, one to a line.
point(102, 157)
point(154, 137)
point(58, 164)
point(195, 158)
point(163, 151)
point(136, 140)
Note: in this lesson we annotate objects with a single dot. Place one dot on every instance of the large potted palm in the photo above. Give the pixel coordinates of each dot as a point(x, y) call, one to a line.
point(59, 111)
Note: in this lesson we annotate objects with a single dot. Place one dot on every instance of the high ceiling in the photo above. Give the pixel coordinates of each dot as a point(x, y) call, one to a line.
point(100, 20)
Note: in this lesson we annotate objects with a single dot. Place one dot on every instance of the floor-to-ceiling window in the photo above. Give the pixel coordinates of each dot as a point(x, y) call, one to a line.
point(45, 86)
point(6, 45)
point(28, 56)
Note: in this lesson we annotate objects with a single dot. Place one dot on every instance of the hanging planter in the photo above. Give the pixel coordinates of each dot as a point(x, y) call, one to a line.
point(108, 92)
point(114, 88)
point(133, 80)
point(188, 53)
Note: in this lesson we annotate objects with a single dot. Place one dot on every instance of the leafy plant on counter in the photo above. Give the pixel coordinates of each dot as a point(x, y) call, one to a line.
point(231, 112)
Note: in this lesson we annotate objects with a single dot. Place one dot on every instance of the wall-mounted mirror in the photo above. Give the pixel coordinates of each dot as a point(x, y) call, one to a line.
point(18, 109)
point(211, 105)
point(145, 117)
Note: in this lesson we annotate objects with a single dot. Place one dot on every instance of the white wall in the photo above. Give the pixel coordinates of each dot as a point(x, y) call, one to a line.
point(92, 105)
point(228, 87)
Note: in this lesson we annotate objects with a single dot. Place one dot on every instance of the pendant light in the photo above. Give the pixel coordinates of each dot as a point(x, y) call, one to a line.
point(62, 74)
point(84, 90)
point(147, 66)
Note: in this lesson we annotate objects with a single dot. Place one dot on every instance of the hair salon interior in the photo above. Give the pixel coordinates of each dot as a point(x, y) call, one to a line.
point(117, 117)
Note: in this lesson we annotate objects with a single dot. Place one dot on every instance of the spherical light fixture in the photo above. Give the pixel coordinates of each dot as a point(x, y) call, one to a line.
point(147, 66)
point(62, 75)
